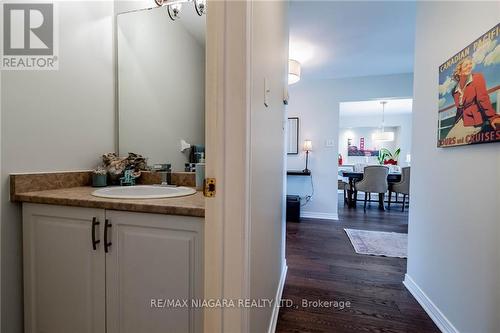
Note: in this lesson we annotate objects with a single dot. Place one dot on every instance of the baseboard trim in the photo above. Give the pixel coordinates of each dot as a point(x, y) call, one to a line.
point(315, 215)
point(279, 293)
point(432, 310)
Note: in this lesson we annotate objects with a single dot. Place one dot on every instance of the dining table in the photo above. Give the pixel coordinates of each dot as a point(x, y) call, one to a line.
point(354, 176)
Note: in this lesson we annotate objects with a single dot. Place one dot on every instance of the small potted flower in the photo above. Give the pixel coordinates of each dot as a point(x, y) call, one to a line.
point(99, 177)
point(385, 157)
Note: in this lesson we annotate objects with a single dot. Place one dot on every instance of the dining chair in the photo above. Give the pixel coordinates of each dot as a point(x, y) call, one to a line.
point(343, 186)
point(403, 187)
point(342, 183)
point(374, 181)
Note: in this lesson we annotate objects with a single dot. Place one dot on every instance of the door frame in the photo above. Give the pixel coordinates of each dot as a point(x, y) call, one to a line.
point(227, 124)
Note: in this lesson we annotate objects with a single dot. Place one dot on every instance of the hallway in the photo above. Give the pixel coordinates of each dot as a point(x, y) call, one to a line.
point(322, 265)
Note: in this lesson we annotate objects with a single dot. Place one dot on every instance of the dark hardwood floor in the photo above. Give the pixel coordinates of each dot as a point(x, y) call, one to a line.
point(322, 265)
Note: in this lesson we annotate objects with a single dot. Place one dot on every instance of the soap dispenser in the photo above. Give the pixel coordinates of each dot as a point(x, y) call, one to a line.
point(200, 172)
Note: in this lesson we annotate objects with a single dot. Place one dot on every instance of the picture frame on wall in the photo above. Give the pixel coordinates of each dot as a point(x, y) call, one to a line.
point(469, 94)
point(293, 136)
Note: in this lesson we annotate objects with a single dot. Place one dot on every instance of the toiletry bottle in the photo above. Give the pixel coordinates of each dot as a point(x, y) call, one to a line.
point(200, 175)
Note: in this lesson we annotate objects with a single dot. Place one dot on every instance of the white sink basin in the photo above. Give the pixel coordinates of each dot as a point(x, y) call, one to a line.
point(143, 192)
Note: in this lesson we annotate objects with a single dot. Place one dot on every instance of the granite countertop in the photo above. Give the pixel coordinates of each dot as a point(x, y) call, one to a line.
point(191, 205)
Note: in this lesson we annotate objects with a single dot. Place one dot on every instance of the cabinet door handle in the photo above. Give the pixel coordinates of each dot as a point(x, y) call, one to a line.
point(107, 244)
point(94, 241)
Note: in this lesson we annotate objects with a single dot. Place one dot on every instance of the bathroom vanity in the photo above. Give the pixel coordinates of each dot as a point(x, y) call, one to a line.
point(109, 265)
point(127, 265)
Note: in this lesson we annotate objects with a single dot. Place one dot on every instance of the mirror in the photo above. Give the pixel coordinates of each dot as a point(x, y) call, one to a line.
point(161, 84)
point(293, 136)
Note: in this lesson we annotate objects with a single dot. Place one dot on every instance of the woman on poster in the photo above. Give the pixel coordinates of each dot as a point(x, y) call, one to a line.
point(474, 110)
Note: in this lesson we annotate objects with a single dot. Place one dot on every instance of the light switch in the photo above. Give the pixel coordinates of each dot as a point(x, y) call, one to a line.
point(329, 143)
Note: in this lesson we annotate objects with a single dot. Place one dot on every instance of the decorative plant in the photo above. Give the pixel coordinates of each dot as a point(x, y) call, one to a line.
point(116, 165)
point(386, 157)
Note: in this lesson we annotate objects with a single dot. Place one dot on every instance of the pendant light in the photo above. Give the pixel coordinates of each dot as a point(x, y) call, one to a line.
point(383, 136)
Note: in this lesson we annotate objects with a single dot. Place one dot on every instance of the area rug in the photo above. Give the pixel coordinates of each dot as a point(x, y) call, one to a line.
point(378, 243)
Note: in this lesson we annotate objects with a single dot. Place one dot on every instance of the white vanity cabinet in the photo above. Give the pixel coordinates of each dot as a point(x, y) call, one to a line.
point(153, 257)
point(140, 262)
point(64, 285)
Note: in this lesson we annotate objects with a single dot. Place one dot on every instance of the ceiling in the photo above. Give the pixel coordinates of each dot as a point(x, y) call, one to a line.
point(335, 39)
point(374, 108)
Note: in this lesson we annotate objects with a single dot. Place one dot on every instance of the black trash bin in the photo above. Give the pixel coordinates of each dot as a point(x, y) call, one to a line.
point(293, 208)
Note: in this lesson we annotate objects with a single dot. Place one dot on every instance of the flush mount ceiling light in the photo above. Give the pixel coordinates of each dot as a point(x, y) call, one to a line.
point(293, 71)
point(383, 135)
point(174, 7)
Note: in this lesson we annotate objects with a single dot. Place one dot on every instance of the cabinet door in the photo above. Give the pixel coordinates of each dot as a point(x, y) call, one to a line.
point(64, 278)
point(153, 257)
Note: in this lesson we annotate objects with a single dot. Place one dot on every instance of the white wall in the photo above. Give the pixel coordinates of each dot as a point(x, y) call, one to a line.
point(316, 103)
point(55, 120)
point(268, 60)
point(402, 121)
point(161, 71)
point(454, 227)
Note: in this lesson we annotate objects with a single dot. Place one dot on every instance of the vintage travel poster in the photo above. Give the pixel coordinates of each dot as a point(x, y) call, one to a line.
point(469, 93)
